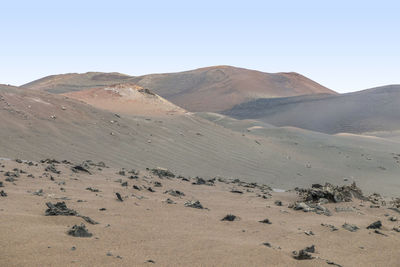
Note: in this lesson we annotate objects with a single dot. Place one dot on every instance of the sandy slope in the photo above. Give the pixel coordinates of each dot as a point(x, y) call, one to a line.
point(143, 227)
point(376, 109)
point(44, 125)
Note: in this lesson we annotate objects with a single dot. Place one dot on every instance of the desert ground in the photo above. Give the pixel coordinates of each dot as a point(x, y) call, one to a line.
point(155, 223)
point(107, 169)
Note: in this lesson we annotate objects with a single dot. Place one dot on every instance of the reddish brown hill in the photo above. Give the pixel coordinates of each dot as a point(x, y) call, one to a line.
point(127, 99)
point(221, 87)
point(207, 89)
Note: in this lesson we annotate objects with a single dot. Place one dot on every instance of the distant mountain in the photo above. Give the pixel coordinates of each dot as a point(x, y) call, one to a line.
point(69, 82)
point(376, 109)
point(221, 87)
point(127, 99)
point(207, 89)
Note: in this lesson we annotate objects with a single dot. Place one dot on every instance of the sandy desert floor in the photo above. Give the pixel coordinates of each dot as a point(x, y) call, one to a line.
point(145, 230)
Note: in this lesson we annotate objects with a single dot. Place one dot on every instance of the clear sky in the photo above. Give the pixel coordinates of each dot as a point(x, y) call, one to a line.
point(344, 45)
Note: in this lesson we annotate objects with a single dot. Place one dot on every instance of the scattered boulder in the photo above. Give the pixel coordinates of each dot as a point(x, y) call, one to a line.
point(350, 227)
point(330, 226)
point(393, 219)
point(60, 208)
point(229, 218)
point(266, 221)
point(194, 204)
point(151, 189)
point(119, 196)
point(92, 189)
point(302, 206)
point(136, 187)
point(160, 172)
point(201, 181)
point(332, 193)
point(1, 184)
point(124, 184)
point(236, 191)
point(38, 192)
point(84, 167)
point(88, 219)
point(52, 168)
point(170, 201)
point(79, 231)
point(397, 229)
point(304, 254)
point(3, 194)
point(157, 184)
point(375, 225)
point(278, 203)
point(175, 193)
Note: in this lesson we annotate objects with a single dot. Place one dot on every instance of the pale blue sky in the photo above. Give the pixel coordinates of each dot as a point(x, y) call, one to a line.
point(344, 45)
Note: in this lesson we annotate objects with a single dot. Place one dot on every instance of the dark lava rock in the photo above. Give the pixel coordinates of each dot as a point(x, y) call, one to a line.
point(92, 189)
point(157, 184)
point(237, 191)
point(333, 263)
point(332, 193)
point(162, 173)
point(229, 218)
point(267, 244)
point(49, 161)
point(302, 255)
point(122, 173)
point(278, 202)
point(124, 184)
point(79, 231)
point(80, 168)
point(379, 232)
point(201, 181)
point(150, 189)
point(175, 193)
point(1, 184)
point(60, 208)
point(194, 204)
point(88, 219)
point(136, 187)
point(52, 168)
point(102, 209)
point(119, 196)
point(350, 227)
point(3, 194)
point(267, 221)
point(170, 201)
point(375, 225)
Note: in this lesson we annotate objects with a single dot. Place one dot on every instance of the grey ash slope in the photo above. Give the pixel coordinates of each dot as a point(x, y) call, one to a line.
point(376, 109)
point(206, 89)
point(42, 125)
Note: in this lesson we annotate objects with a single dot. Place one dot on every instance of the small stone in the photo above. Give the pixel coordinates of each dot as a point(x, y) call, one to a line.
point(278, 203)
point(194, 204)
point(375, 225)
point(119, 196)
point(350, 227)
point(266, 221)
point(229, 218)
point(79, 231)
